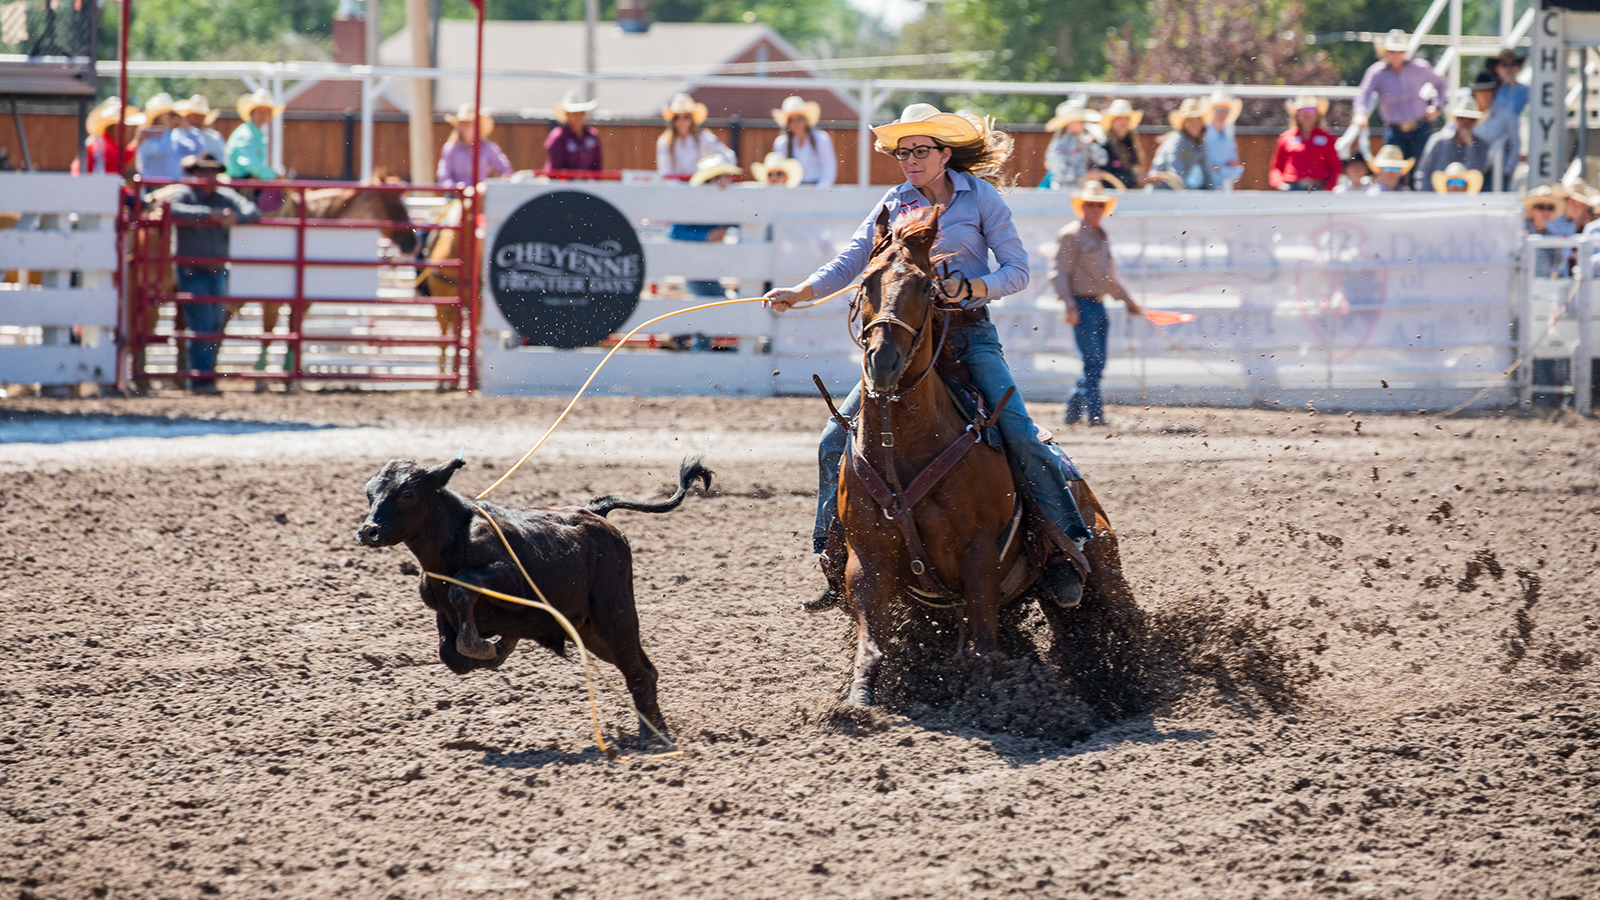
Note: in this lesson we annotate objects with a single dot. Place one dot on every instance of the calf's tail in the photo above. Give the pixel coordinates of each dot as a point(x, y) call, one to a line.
point(690, 471)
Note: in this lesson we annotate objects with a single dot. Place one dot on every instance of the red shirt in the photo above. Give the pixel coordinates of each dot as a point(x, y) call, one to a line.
point(100, 150)
point(1313, 158)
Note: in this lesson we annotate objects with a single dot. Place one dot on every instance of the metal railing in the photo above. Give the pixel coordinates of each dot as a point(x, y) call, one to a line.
point(1555, 318)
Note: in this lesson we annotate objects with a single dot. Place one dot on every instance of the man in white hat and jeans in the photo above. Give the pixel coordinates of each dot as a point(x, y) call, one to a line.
point(1397, 81)
point(1083, 273)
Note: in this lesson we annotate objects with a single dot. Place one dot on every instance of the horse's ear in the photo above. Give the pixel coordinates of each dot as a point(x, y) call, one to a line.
point(881, 228)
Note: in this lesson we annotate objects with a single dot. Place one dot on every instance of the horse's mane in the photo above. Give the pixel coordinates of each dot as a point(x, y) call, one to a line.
point(918, 226)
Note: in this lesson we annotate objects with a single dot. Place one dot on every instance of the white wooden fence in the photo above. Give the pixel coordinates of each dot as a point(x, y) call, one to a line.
point(61, 330)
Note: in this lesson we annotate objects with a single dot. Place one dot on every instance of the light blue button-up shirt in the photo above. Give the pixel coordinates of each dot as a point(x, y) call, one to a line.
point(976, 222)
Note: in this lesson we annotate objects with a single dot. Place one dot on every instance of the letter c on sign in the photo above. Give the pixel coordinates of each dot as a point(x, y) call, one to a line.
point(1547, 21)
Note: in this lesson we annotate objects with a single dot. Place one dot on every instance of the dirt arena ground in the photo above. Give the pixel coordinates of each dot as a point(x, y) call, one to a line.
point(1369, 669)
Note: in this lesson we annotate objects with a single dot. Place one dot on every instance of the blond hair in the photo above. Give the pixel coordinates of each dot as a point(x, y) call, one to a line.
point(981, 157)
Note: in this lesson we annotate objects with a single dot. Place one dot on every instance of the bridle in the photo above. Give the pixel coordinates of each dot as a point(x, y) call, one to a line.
point(934, 292)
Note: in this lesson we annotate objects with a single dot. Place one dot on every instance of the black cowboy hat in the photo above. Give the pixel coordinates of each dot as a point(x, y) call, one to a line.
point(204, 161)
point(1485, 81)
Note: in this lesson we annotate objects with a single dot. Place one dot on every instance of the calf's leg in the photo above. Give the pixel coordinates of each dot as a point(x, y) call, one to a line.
point(614, 626)
point(468, 642)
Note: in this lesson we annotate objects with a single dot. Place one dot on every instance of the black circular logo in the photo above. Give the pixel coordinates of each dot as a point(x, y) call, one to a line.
point(566, 269)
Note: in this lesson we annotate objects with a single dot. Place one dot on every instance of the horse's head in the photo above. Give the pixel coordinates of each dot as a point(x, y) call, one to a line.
point(897, 296)
point(390, 206)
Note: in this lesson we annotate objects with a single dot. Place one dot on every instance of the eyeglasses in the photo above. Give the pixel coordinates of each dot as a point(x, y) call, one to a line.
point(1544, 207)
point(919, 152)
point(1395, 169)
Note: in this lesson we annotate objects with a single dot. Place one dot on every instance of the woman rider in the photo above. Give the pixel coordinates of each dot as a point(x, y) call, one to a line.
point(953, 162)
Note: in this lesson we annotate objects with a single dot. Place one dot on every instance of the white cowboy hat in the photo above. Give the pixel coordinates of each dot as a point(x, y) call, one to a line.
point(710, 167)
point(926, 119)
point(1395, 40)
point(572, 102)
point(1553, 193)
point(1219, 98)
point(681, 104)
point(196, 105)
point(791, 106)
point(1071, 111)
point(1457, 172)
point(250, 102)
point(1190, 108)
point(791, 169)
point(160, 103)
point(105, 115)
point(1093, 191)
point(1392, 157)
point(1307, 101)
point(1464, 108)
point(485, 120)
point(1121, 108)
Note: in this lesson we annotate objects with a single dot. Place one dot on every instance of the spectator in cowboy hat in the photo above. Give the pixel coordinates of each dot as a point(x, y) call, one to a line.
point(573, 145)
point(683, 145)
point(455, 158)
point(247, 145)
point(197, 117)
point(1123, 159)
point(1305, 159)
point(1500, 128)
point(1222, 151)
point(1075, 146)
point(800, 140)
point(1397, 82)
point(713, 169)
point(777, 170)
point(213, 208)
point(101, 150)
point(1575, 213)
point(1182, 153)
point(156, 150)
point(1455, 143)
point(1542, 206)
point(1083, 274)
point(1389, 170)
point(1457, 179)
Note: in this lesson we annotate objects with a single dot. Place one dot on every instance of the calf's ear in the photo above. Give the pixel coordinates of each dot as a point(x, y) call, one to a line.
point(439, 476)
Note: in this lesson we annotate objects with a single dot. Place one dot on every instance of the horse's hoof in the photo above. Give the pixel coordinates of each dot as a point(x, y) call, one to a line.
point(861, 693)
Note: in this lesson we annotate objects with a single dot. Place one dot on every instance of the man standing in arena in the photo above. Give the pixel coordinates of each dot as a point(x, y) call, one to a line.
point(1083, 273)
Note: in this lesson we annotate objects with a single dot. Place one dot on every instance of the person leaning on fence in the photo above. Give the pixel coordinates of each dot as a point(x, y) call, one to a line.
point(573, 145)
point(1499, 128)
point(1457, 142)
point(1123, 158)
point(1182, 153)
point(1082, 275)
point(718, 172)
point(156, 153)
point(101, 150)
point(1222, 150)
point(455, 158)
point(1076, 146)
point(213, 208)
point(683, 145)
point(1305, 158)
point(777, 170)
point(801, 141)
point(1397, 82)
point(1542, 206)
point(1389, 170)
point(198, 117)
point(1511, 95)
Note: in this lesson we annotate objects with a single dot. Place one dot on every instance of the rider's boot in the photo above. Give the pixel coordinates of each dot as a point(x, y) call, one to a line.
point(1064, 582)
point(832, 561)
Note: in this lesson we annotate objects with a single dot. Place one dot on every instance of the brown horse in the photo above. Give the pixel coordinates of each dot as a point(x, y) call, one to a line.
point(948, 536)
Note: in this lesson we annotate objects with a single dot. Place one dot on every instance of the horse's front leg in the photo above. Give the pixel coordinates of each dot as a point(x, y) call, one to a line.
point(870, 591)
point(980, 577)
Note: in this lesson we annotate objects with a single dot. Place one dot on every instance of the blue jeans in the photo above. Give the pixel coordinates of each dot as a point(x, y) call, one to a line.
point(1411, 144)
point(1090, 332)
point(203, 318)
point(1045, 469)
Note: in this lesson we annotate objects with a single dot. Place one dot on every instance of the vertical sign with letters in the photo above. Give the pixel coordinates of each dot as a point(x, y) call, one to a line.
point(1547, 113)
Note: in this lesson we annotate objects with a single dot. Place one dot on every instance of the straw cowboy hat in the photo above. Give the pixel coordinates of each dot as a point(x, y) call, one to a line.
point(811, 109)
point(1121, 108)
point(791, 169)
point(713, 166)
point(160, 103)
point(1457, 172)
point(1093, 191)
point(1190, 108)
point(105, 115)
point(1392, 157)
point(1069, 112)
point(1219, 98)
point(1307, 101)
point(926, 119)
point(572, 102)
point(1395, 40)
point(681, 104)
point(485, 121)
point(1553, 194)
point(196, 105)
point(256, 99)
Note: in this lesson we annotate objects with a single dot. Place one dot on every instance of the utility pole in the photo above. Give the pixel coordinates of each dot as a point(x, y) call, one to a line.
point(422, 162)
point(591, 17)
